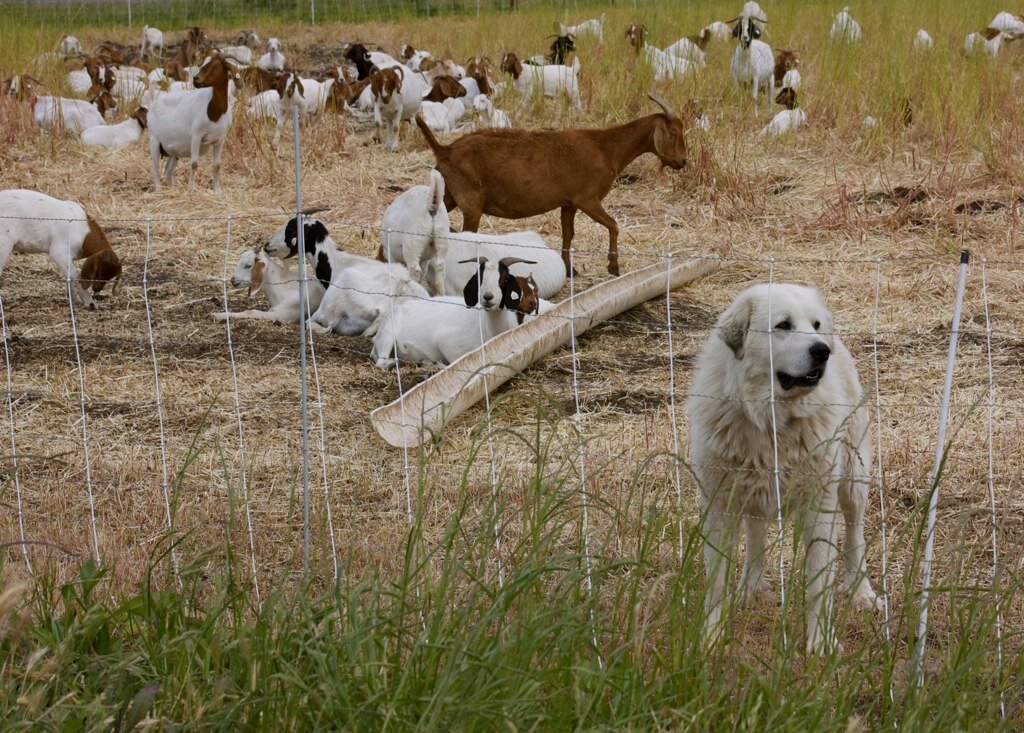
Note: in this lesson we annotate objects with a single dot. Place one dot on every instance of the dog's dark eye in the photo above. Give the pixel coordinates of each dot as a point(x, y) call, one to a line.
point(817, 325)
point(783, 325)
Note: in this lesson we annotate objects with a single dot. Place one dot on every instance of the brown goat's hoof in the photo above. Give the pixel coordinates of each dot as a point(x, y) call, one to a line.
point(614, 269)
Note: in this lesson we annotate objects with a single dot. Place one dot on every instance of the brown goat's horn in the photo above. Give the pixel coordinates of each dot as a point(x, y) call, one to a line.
point(665, 108)
point(509, 261)
point(310, 210)
point(480, 259)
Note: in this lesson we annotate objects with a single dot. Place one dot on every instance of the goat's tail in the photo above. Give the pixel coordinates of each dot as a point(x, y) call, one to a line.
point(428, 135)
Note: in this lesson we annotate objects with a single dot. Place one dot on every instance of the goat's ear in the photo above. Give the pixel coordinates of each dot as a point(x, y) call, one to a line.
point(259, 268)
point(471, 293)
point(733, 325)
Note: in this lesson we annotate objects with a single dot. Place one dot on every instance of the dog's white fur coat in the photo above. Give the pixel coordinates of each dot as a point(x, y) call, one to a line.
point(824, 448)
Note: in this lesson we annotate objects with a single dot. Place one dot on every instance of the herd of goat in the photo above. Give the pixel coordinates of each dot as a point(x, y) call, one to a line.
point(432, 294)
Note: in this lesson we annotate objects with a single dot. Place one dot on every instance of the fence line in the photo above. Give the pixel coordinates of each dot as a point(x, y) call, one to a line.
point(665, 330)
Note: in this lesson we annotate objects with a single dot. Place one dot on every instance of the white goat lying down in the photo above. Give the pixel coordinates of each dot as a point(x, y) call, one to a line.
point(359, 290)
point(119, 135)
point(75, 114)
point(440, 330)
point(416, 231)
point(279, 282)
point(62, 230)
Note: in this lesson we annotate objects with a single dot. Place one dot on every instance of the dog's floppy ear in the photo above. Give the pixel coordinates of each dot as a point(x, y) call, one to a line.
point(733, 325)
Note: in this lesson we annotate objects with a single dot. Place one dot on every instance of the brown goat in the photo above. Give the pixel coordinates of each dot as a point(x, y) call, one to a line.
point(101, 262)
point(784, 61)
point(637, 35)
point(107, 53)
point(259, 80)
point(102, 98)
point(444, 88)
point(514, 173)
point(476, 69)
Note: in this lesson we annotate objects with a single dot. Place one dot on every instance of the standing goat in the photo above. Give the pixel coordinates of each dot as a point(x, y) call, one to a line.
point(593, 26)
point(388, 100)
point(152, 42)
point(844, 27)
point(34, 222)
point(191, 123)
point(550, 80)
point(514, 173)
point(753, 63)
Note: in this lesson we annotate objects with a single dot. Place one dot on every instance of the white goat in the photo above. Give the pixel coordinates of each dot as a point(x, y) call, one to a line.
point(1008, 23)
point(70, 46)
point(75, 114)
point(989, 40)
point(442, 329)
point(685, 48)
point(785, 121)
point(119, 135)
point(416, 231)
point(273, 59)
point(152, 41)
point(550, 80)
point(192, 123)
point(443, 116)
point(279, 282)
point(922, 40)
point(844, 27)
point(265, 104)
point(667, 66)
point(489, 115)
point(413, 233)
point(753, 62)
point(388, 101)
point(357, 289)
point(791, 80)
point(34, 222)
point(718, 29)
point(593, 26)
point(305, 94)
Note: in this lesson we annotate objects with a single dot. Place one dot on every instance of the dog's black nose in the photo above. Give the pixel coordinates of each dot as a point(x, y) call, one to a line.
point(820, 352)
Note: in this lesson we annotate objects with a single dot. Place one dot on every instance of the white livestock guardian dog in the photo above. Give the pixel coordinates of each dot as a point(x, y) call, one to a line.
point(778, 341)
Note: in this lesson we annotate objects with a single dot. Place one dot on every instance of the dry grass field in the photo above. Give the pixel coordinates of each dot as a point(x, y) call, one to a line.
point(873, 218)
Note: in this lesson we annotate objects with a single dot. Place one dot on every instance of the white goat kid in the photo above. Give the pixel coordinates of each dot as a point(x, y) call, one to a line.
point(295, 92)
point(388, 102)
point(844, 27)
point(191, 123)
point(70, 46)
point(443, 116)
point(273, 59)
point(279, 282)
point(753, 63)
point(119, 135)
point(152, 41)
point(922, 40)
point(488, 114)
point(442, 329)
point(549, 80)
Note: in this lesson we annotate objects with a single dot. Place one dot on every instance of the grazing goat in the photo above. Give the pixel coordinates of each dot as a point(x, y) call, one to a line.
point(356, 289)
point(844, 27)
point(989, 40)
point(191, 123)
point(108, 54)
point(785, 61)
point(152, 42)
point(753, 63)
point(119, 135)
point(551, 80)
point(593, 27)
point(488, 114)
point(62, 230)
point(445, 87)
point(667, 66)
point(637, 36)
point(279, 282)
point(717, 29)
point(1009, 23)
point(690, 47)
point(514, 174)
point(442, 329)
point(187, 54)
point(388, 100)
point(273, 59)
point(922, 40)
point(70, 46)
point(561, 47)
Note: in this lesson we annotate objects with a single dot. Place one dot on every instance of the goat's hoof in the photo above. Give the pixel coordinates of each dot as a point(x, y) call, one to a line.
point(614, 269)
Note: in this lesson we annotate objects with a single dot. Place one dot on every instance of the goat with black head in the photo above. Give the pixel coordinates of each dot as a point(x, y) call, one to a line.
point(753, 63)
point(561, 47)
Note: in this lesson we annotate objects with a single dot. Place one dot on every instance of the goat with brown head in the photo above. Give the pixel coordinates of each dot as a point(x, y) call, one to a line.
point(784, 61)
point(637, 35)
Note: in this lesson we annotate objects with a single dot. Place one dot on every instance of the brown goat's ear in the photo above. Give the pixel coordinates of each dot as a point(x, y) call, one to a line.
point(733, 325)
point(258, 269)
